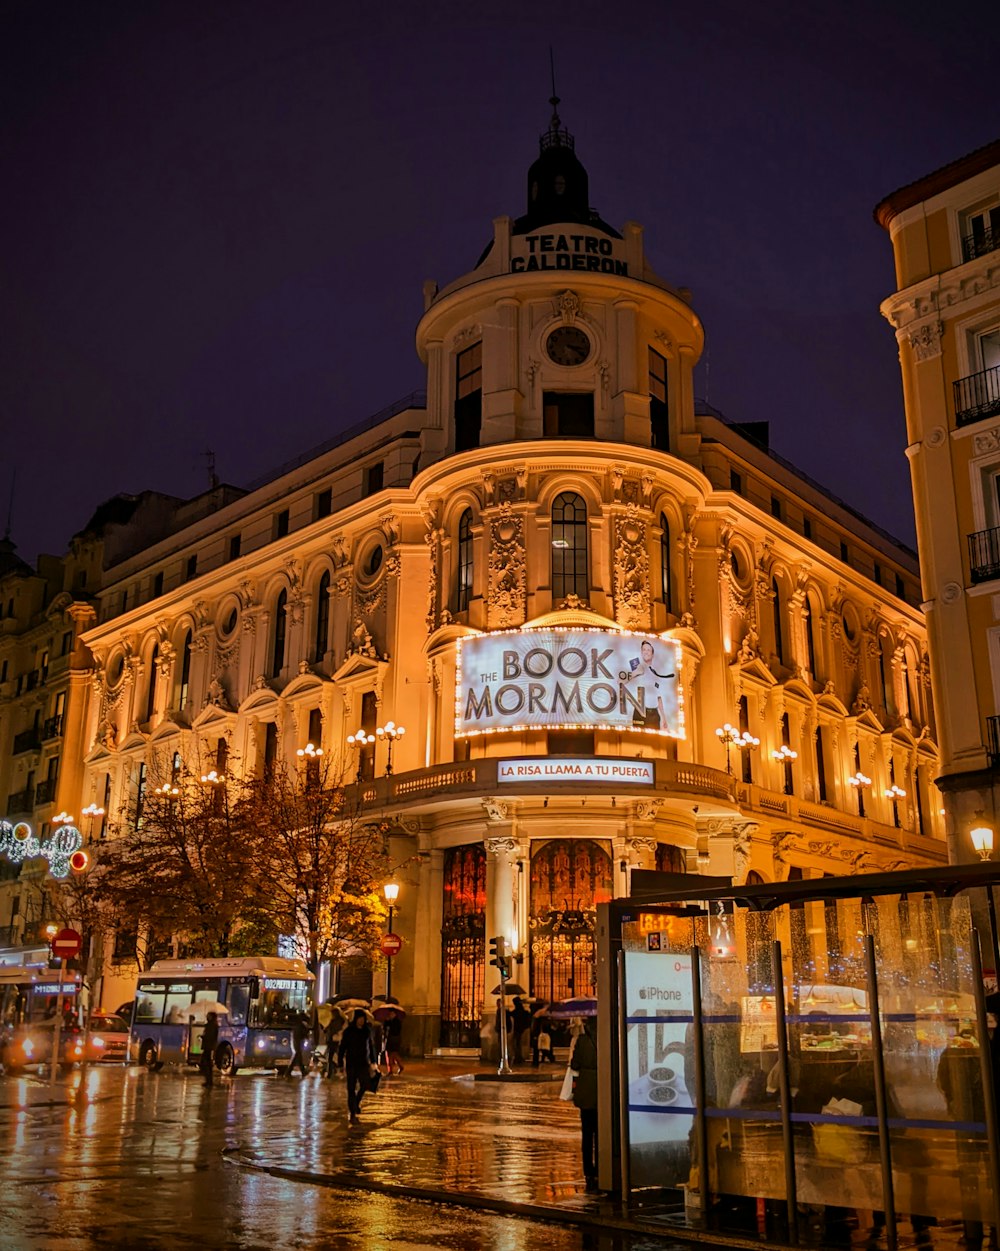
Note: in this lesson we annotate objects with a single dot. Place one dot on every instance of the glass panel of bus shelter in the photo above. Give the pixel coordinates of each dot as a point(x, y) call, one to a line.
point(830, 1054)
point(940, 1153)
point(743, 1125)
point(659, 1037)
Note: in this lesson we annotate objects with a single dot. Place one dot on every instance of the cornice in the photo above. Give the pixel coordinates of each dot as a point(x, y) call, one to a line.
point(923, 303)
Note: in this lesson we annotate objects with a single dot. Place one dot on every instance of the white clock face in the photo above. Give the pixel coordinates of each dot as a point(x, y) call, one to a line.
point(567, 345)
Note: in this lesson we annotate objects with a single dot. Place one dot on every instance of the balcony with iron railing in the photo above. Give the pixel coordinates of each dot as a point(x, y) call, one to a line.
point(52, 727)
point(984, 555)
point(45, 791)
point(980, 243)
point(21, 802)
point(977, 396)
point(27, 740)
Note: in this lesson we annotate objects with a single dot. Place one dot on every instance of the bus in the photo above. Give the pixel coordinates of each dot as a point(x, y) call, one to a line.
point(28, 1000)
point(262, 995)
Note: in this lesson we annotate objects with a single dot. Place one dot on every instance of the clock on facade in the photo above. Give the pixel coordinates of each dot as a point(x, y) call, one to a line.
point(567, 345)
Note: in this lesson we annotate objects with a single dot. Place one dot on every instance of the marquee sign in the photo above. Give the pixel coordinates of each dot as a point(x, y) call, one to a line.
point(577, 769)
point(573, 679)
point(61, 849)
point(580, 250)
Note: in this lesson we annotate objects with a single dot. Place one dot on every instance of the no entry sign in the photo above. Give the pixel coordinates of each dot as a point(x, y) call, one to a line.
point(66, 945)
point(391, 945)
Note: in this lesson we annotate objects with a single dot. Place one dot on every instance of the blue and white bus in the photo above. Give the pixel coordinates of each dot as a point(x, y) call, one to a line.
point(262, 995)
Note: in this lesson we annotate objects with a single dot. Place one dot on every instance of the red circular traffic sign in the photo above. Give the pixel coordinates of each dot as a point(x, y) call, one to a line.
point(391, 945)
point(66, 944)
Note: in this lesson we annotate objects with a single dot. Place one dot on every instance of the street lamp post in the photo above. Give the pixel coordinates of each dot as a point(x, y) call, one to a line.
point(92, 812)
point(784, 756)
point(742, 740)
point(982, 841)
point(359, 742)
point(391, 892)
point(390, 732)
point(894, 794)
point(860, 781)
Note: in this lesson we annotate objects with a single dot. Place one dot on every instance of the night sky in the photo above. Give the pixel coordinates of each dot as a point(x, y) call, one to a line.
point(217, 217)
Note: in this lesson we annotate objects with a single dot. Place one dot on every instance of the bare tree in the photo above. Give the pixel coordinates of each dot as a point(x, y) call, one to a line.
point(324, 860)
point(188, 861)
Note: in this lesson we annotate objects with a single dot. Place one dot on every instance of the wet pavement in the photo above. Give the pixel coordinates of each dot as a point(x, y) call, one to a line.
point(128, 1159)
point(123, 1158)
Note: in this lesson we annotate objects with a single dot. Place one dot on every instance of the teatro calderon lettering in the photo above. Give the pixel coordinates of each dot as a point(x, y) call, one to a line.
point(568, 679)
point(581, 252)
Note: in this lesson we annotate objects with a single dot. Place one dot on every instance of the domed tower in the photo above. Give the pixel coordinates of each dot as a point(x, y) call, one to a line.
point(561, 330)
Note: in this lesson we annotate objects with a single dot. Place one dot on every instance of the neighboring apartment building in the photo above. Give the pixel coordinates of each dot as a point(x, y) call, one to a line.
point(945, 232)
point(558, 486)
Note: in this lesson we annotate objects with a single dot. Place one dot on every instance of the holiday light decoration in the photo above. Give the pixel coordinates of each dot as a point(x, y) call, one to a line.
point(61, 849)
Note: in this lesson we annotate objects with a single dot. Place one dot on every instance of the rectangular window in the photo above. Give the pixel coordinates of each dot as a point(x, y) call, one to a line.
point(877, 573)
point(568, 414)
point(468, 397)
point(372, 479)
point(659, 423)
point(67, 643)
point(369, 716)
point(281, 524)
point(191, 568)
point(747, 765)
point(324, 503)
point(158, 585)
point(775, 507)
point(270, 747)
point(807, 528)
point(844, 552)
point(235, 544)
point(140, 794)
point(125, 600)
point(3, 671)
point(736, 481)
point(900, 588)
point(981, 232)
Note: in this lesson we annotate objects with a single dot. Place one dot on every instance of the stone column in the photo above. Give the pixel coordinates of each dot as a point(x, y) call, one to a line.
point(501, 866)
point(424, 1028)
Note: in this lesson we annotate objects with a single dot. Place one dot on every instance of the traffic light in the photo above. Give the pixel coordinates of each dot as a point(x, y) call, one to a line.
point(498, 954)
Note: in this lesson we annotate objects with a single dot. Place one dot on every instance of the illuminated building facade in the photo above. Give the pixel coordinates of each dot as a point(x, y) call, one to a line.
point(945, 233)
point(564, 577)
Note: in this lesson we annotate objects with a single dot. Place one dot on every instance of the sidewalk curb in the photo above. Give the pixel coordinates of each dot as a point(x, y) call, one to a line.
point(505, 1207)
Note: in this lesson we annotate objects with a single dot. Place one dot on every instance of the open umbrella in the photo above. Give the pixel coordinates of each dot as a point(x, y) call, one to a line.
point(391, 1000)
point(347, 1004)
point(199, 1010)
point(573, 1007)
point(381, 1013)
point(509, 988)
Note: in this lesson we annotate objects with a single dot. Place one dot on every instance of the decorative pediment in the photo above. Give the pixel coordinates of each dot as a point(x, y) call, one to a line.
point(752, 672)
point(359, 670)
point(213, 717)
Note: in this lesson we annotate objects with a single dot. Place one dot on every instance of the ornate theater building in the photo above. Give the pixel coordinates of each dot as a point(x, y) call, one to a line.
point(619, 631)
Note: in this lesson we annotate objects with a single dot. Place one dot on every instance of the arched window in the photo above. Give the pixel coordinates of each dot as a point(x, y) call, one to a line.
point(666, 587)
point(569, 547)
point(812, 627)
point(185, 677)
point(278, 655)
point(885, 650)
point(154, 657)
point(463, 588)
point(322, 616)
point(913, 688)
point(776, 606)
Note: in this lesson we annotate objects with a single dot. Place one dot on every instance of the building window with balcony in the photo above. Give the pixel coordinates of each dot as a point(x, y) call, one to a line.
point(468, 397)
point(322, 640)
point(977, 396)
point(659, 415)
point(886, 648)
point(280, 626)
point(570, 566)
point(463, 587)
point(980, 232)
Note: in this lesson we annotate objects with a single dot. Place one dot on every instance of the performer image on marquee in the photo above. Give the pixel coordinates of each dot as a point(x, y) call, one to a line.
point(657, 716)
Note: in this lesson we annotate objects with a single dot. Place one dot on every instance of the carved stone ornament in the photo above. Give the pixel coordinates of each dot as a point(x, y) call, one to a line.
point(631, 572)
point(568, 303)
point(749, 648)
point(432, 538)
point(507, 577)
point(642, 846)
point(468, 334)
point(951, 593)
point(863, 703)
point(217, 695)
point(646, 809)
point(361, 644)
point(926, 341)
point(936, 437)
point(575, 603)
point(495, 809)
point(988, 441)
point(259, 683)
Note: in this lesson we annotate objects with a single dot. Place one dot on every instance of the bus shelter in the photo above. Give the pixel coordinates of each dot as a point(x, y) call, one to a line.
point(803, 1055)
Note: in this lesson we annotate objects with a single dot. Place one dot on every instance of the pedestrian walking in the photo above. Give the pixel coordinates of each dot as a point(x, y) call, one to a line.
point(585, 1097)
point(300, 1032)
point(543, 1047)
point(521, 1027)
point(209, 1042)
point(332, 1033)
point(357, 1054)
point(392, 1035)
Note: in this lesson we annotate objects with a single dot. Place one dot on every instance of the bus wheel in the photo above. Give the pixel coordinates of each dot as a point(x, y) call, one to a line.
point(225, 1060)
point(147, 1057)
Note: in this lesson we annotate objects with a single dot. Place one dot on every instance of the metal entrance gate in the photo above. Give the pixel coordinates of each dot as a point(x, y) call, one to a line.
point(463, 945)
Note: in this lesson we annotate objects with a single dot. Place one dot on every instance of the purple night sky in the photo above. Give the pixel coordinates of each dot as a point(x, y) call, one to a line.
point(217, 217)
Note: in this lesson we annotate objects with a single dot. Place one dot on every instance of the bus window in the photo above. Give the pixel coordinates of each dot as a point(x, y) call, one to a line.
point(280, 999)
point(239, 1000)
point(178, 1002)
point(149, 1004)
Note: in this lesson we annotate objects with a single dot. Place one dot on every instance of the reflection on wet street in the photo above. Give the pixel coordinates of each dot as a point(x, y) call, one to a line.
point(137, 1160)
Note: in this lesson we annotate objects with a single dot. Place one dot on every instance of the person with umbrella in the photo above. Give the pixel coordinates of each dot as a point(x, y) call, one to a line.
point(209, 1042)
point(392, 1033)
point(585, 1097)
point(357, 1054)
